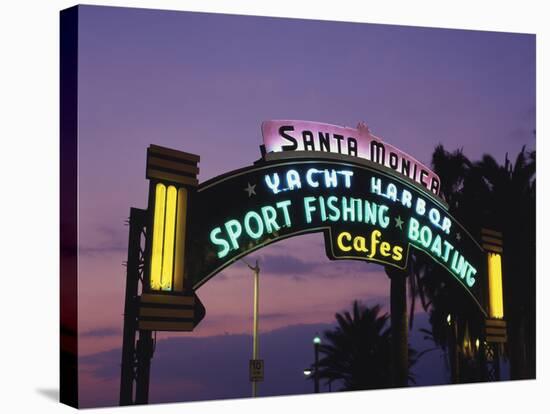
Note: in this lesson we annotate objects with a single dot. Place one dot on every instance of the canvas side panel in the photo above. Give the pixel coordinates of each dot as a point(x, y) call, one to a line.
point(68, 206)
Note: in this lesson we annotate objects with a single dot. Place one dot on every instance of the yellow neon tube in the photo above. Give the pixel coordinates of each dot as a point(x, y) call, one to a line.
point(496, 303)
point(169, 234)
point(158, 233)
point(181, 223)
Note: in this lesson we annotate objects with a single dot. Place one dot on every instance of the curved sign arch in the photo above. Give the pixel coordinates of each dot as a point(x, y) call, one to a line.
point(372, 202)
point(365, 210)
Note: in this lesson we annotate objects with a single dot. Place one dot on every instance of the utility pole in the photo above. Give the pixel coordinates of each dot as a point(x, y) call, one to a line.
point(255, 339)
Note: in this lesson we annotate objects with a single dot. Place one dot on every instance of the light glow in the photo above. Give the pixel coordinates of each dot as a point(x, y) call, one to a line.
point(293, 180)
point(158, 236)
point(169, 239)
point(496, 303)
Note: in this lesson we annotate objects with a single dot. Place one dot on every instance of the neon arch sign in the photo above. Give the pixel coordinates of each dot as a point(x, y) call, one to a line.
point(365, 212)
point(312, 178)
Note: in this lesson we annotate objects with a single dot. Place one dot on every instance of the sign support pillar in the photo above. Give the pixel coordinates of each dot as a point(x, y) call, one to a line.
point(134, 273)
point(399, 328)
point(495, 324)
point(145, 348)
point(156, 260)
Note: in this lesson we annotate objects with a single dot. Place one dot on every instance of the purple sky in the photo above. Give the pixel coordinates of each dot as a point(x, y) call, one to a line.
point(203, 83)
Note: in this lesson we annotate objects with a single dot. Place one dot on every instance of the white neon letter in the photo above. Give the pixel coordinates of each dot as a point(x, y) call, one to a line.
point(331, 180)
point(434, 216)
point(376, 185)
point(293, 179)
point(406, 198)
point(420, 207)
point(347, 177)
point(309, 178)
point(273, 184)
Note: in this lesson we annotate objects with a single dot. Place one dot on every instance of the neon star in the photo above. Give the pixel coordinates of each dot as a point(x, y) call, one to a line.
point(399, 222)
point(250, 189)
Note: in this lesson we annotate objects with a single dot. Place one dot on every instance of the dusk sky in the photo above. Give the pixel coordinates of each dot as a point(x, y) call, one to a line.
point(203, 83)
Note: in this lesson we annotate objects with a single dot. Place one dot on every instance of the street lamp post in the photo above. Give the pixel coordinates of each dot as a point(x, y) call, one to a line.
point(255, 328)
point(316, 343)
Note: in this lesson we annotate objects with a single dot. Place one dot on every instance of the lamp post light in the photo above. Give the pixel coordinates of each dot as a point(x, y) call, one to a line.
point(316, 343)
point(314, 370)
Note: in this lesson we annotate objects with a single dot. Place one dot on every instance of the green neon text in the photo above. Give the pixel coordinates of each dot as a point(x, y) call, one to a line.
point(441, 250)
point(254, 225)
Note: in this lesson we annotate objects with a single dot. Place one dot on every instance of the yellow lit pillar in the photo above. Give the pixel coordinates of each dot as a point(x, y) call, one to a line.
point(496, 302)
point(492, 243)
point(164, 231)
point(495, 324)
point(158, 236)
point(173, 174)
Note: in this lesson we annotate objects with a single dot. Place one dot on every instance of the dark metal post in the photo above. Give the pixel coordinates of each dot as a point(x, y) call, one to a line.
point(492, 362)
point(399, 328)
point(144, 355)
point(454, 358)
point(137, 225)
point(131, 306)
point(137, 354)
point(497, 362)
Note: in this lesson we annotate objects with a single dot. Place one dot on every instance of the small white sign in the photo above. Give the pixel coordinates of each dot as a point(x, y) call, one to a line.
point(256, 370)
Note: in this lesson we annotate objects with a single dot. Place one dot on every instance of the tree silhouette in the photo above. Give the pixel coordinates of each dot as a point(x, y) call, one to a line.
point(509, 201)
point(356, 353)
point(502, 197)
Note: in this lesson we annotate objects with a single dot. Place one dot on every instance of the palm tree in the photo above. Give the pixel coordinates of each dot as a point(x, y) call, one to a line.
point(428, 281)
point(357, 352)
point(510, 203)
point(485, 194)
